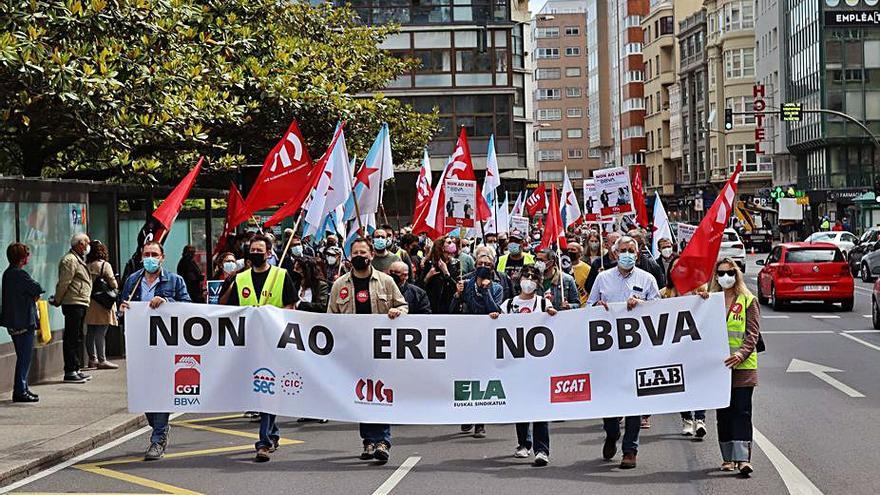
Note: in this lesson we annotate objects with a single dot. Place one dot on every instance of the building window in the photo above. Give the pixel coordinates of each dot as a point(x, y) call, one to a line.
point(574, 133)
point(542, 53)
point(738, 16)
point(739, 63)
point(633, 49)
point(550, 156)
point(433, 61)
point(633, 104)
point(547, 32)
point(551, 175)
point(544, 74)
point(550, 135)
point(632, 21)
point(572, 31)
point(751, 162)
point(548, 94)
point(667, 26)
point(575, 153)
point(738, 105)
point(572, 72)
point(572, 51)
point(572, 92)
point(550, 114)
point(633, 76)
point(595, 153)
point(633, 132)
point(574, 113)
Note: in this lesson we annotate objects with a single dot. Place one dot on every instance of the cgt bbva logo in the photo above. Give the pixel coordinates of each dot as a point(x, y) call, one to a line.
point(373, 393)
point(187, 379)
point(470, 393)
point(264, 381)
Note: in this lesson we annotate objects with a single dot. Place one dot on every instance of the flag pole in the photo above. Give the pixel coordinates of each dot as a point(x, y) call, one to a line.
point(357, 208)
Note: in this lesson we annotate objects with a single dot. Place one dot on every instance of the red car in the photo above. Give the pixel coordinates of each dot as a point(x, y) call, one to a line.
point(804, 271)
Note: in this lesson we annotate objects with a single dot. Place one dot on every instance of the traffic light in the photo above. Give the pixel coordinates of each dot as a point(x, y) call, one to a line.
point(728, 119)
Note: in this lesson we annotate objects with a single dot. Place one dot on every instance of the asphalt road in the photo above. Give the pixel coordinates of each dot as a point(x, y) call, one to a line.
point(813, 436)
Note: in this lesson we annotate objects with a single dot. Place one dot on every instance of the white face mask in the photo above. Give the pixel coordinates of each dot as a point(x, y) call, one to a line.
point(541, 266)
point(726, 281)
point(88, 250)
point(331, 260)
point(528, 286)
point(666, 252)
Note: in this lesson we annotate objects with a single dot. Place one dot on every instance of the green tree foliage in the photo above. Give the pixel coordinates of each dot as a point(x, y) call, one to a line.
point(141, 87)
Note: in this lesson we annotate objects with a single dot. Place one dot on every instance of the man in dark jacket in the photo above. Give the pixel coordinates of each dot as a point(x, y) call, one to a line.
point(415, 296)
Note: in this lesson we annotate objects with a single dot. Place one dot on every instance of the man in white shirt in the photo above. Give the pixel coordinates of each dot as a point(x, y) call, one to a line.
point(630, 284)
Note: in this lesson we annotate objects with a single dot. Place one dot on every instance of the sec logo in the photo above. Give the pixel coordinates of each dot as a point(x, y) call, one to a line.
point(363, 296)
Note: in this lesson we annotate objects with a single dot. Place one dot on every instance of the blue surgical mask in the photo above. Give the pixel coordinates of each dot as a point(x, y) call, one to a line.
point(626, 260)
point(380, 243)
point(514, 248)
point(230, 266)
point(297, 250)
point(151, 265)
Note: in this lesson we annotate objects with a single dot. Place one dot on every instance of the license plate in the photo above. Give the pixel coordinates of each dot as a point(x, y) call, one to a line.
point(817, 288)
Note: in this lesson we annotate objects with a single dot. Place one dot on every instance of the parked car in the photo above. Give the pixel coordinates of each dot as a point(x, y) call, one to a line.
point(867, 243)
point(761, 240)
point(805, 271)
point(732, 247)
point(844, 241)
point(869, 265)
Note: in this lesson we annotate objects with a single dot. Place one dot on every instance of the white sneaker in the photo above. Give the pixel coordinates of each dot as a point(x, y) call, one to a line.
point(700, 428)
point(521, 452)
point(541, 459)
point(687, 427)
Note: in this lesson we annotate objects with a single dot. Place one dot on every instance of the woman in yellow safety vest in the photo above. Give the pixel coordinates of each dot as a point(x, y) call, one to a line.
point(743, 330)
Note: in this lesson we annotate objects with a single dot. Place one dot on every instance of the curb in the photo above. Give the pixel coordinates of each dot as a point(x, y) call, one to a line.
point(34, 466)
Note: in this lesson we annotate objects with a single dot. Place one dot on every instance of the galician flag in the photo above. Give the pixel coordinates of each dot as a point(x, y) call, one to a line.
point(377, 167)
point(661, 227)
point(570, 208)
point(334, 185)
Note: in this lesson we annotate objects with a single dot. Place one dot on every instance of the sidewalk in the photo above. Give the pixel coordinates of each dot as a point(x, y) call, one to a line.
point(69, 419)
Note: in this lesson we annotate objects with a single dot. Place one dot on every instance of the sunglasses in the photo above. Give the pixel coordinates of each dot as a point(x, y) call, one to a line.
point(731, 273)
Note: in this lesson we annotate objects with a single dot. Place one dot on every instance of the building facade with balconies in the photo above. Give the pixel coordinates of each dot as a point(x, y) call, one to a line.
point(660, 75)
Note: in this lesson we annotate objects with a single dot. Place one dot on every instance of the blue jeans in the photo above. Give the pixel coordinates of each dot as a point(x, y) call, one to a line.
point(269, 432)
point(24, 351)
point(735, 426)
point(373, 433)
point(158, 421)
point(632, 424)
point(541, 430)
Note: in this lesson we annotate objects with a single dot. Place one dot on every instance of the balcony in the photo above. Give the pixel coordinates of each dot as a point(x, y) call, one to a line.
point(667, 78)
point(665, 41)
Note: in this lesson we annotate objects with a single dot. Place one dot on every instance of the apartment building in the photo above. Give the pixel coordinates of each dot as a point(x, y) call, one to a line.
point(599, 76)
point(561, 102)
point(660, 75)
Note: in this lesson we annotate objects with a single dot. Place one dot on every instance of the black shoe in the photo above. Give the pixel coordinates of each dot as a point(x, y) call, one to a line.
point(480, 431)
point(25, 397)
point(84, 376)
point(369, 452)
point(35, 396)
point(382, 453)
point(609, 449)
point(466, 428)
point(155, 452)
point(74, 378)
point(262, 455)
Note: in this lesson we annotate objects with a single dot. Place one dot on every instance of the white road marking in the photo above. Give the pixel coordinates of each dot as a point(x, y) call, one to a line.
point(861, 331)
point(825, 317)
point(866, 291)
point(76, 460)
point(396, 476)
point(797, 332)
point(866, 316)
point(775, 317)
point(860, 341)
point(821, 372)
point(796, 481)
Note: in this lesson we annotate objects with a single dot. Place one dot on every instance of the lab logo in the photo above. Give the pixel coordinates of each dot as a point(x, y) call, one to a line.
point(291, 383)
point(264, 381)
point(373, 392)
point(570, 388)
point(187, 379)
point(668, 379)
point(472, 393)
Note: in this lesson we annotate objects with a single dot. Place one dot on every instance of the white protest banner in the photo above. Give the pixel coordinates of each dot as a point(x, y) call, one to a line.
point(614, 192)
point(591, 202)
point(684, 232)
point(461, 200)
point(520, 224)
point(664, 356)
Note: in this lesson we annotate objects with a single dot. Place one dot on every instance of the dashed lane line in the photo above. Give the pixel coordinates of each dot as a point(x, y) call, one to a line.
point(775, 317)
point(795, 480)
point(825, 317)
point(860, 341)
point(861, 331)
point(398, 475)
point(796, 332)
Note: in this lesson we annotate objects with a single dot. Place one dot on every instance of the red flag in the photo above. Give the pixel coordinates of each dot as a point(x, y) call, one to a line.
point(160, 222)
point(639, 196)
point(282, 176)
point(303, 190)
point(537, 201)
point(424, 191)
point(694, 267)
point(463, 169)
point(554, 231)
point(234, 203)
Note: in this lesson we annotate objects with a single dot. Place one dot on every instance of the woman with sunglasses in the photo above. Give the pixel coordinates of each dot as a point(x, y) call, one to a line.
point(529, 302)
point(743, 329)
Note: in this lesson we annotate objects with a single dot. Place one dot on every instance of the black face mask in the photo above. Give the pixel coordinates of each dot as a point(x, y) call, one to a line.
point(257, 259)
point(296, 277)
point(483, 272)
point(360, 263)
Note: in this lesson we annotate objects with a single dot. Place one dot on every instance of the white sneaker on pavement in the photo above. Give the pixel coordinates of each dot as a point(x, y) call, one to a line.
point(542, 459)
point(521, 452)
point(687, 427)
point(700, 428)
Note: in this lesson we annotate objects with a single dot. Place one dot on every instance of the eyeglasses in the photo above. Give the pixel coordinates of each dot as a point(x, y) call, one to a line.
point(731, 273)
point(531, 276)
